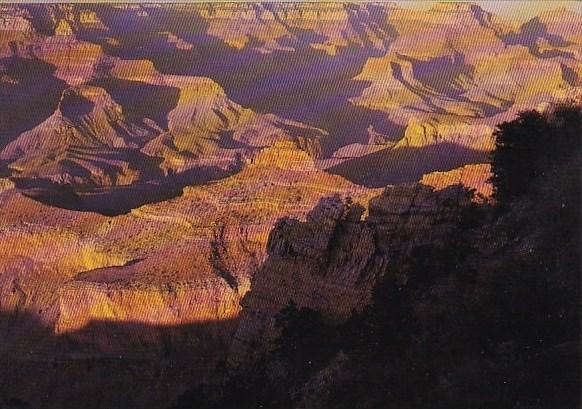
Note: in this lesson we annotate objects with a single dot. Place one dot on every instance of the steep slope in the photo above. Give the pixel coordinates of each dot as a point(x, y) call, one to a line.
point(325, 26)
point(292, 64)
point(190, 260)
point(449, 93)
point(554, 33)
point(48, 32)
point(37, 62)
point(473, 177)
point(145, 289)
point(92, 139)
point(75, 61)
point(31, 90)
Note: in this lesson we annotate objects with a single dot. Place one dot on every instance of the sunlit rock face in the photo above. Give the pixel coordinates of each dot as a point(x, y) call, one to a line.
point(419, 135)
point(473, 177)
point(204, 129)
point(285, 155)
point(75, 60)
point(207, 127)
point(316, 264)
point(345, 81)
point(475, 67)
point(186, 261)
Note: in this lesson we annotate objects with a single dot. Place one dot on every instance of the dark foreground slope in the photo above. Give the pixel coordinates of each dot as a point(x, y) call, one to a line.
point(487, 316)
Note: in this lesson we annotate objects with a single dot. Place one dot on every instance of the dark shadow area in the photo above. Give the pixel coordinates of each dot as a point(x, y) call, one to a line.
point(442, 77)
point(74, 106)
point(533, 31)
point(4, 170)
point(116, 200)
point(482, 17)
point(29, 89)
point(444, 74)
point(90, 165)
point(140, 100)
point(42, 17)
point(106, 364)
point(226, 141)
point(569, 75)
point(401, 165)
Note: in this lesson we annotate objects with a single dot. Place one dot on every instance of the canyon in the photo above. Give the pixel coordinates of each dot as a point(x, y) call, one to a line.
point(172, 176)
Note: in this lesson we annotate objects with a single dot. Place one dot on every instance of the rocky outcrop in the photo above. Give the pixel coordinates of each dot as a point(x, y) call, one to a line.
point(104, 103)
point(473, 177)
point(206, 128)
point(75, 61)
point(37, 260)
point(330, 262)
point(317, 264)
point(49, 33)
point(86, 140)
point(89, 19)
point(420, 135)
point(83, 303)
point(285, 155)
point(552, 34)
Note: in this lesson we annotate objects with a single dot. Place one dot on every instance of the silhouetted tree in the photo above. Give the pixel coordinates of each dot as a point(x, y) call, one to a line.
point(532, 144)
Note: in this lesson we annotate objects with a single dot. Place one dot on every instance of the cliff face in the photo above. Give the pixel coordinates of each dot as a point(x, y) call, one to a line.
point(206, 127)
point(91, 138)
point(330, 262)
point(445, 310)
point(421, 135)
point(75, 60)
point(279, 27)
point(474, 177)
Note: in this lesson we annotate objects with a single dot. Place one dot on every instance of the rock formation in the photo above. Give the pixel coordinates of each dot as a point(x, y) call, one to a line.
point(86, 140)
point(207, 128)
point(471, 70)
point(330, 262)
point(14, 28)
point(420, 135)
point(472, 177)
point(477, 71)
